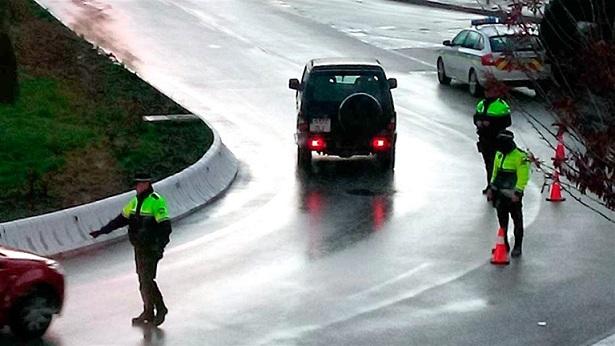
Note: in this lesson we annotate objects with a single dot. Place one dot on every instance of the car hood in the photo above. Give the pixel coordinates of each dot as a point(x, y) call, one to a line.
point(20, 255)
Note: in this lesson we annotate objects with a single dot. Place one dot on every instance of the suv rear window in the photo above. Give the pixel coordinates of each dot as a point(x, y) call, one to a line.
point(335, 86)
point(513, 43)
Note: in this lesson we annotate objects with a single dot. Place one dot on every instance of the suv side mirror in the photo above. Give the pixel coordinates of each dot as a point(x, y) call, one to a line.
point(392, 83)
point(294, 84)
point(447, 43)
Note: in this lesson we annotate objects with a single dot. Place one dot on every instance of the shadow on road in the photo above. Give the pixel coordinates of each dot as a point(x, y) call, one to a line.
point(152, 336)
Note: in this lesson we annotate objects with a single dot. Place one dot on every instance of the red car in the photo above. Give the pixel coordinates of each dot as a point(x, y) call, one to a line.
point(31, 292)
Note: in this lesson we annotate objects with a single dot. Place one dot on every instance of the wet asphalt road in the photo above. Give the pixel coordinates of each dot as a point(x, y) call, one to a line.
point(347, 255)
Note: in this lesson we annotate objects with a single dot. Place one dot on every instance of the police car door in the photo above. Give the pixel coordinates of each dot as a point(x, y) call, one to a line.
point(450, 56)
point(470, 53)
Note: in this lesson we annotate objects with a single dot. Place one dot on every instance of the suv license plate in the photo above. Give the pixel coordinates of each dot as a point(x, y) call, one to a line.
point(320, 125)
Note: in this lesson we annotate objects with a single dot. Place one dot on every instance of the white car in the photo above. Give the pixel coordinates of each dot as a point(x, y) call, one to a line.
point(492, 50)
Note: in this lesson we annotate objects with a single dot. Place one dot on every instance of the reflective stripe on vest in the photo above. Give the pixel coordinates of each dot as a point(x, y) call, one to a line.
point(153, 205)
point(511, 170)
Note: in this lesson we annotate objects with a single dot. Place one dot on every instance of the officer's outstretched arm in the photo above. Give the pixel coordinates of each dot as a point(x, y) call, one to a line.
point(118, 222)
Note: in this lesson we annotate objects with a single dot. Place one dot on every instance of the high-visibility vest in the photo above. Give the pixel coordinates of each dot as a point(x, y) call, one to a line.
point(511, 171)
point(154, 206)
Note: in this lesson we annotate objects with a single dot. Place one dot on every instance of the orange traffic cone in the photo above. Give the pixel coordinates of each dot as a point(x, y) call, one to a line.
point(555, 191)
point(500, 253)
point(560, 153)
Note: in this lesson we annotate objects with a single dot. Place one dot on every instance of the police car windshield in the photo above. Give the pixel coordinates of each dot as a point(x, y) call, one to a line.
point(513, 43)
point(335, 86)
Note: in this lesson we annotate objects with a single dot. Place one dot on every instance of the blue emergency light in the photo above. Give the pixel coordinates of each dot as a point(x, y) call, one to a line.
point(485, 21)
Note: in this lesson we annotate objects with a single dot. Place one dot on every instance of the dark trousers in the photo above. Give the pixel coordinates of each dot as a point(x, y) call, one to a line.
point(487, 149)
point(147, 264)
point(504, 207)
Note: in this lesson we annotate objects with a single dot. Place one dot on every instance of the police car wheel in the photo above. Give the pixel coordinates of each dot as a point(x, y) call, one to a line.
point(473, 85)
point(442, 77)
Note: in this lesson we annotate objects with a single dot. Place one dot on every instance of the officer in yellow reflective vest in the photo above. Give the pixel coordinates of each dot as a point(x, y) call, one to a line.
point(511, 173)
point(149, 228)
point(492, 116)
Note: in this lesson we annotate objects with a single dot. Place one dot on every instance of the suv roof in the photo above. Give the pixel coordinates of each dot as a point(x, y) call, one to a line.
point(343, 62)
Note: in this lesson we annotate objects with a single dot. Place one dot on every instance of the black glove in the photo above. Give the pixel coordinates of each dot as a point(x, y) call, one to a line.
point(490, 195)
point(96, 234)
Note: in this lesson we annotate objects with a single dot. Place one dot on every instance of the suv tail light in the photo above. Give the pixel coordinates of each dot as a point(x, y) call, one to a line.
point(316, 143)
point(381, 143)
point(487, 60)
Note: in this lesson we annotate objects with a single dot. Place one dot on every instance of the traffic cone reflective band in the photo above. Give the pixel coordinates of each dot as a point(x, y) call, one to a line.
point(555, 191)
point(500, 253)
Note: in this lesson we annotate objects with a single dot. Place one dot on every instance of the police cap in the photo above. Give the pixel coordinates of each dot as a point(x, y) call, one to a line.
point(142, 177)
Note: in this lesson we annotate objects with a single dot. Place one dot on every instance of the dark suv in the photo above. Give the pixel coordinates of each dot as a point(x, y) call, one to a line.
point(345, 108)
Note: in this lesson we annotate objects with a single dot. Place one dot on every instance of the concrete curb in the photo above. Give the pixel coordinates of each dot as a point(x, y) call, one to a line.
point(459, 8)
point(65, 232)
point(452, 7)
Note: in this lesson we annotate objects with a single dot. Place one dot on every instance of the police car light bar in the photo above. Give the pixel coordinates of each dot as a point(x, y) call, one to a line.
point(485, 21)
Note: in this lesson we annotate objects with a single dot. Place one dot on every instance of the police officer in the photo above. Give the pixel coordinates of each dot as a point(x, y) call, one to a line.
point(492, 116)
point(511, 173)
point(149, 228)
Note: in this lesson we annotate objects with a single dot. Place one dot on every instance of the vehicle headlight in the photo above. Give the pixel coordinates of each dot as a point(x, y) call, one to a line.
point(56, 266)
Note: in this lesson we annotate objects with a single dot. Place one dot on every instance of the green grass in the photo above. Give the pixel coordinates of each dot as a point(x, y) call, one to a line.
point(37, 131)
point(51, 121)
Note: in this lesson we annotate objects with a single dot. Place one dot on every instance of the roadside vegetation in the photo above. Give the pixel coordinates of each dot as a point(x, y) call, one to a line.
point(73, 132)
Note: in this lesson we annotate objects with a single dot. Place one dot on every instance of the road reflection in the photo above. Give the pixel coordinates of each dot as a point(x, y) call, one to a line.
point(345, 201)
point(152, 336)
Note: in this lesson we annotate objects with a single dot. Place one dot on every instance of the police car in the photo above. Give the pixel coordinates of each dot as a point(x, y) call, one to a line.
point(492, 50)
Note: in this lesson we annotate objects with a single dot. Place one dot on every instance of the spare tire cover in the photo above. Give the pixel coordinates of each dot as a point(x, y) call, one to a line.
point(360, 114)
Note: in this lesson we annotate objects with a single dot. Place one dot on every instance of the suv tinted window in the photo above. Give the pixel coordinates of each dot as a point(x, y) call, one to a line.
point(335, 86)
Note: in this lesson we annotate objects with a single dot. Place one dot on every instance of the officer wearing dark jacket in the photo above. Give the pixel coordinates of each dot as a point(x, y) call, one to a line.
point(511, 173)
point(492, 116)
point(149, 228)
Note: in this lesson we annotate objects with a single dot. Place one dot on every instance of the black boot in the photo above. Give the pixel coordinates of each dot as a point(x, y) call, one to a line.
point(160, 315)
point(516, 252)
point(144, 317)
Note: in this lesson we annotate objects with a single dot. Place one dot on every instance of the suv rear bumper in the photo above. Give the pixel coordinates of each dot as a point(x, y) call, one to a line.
point(346, 147)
